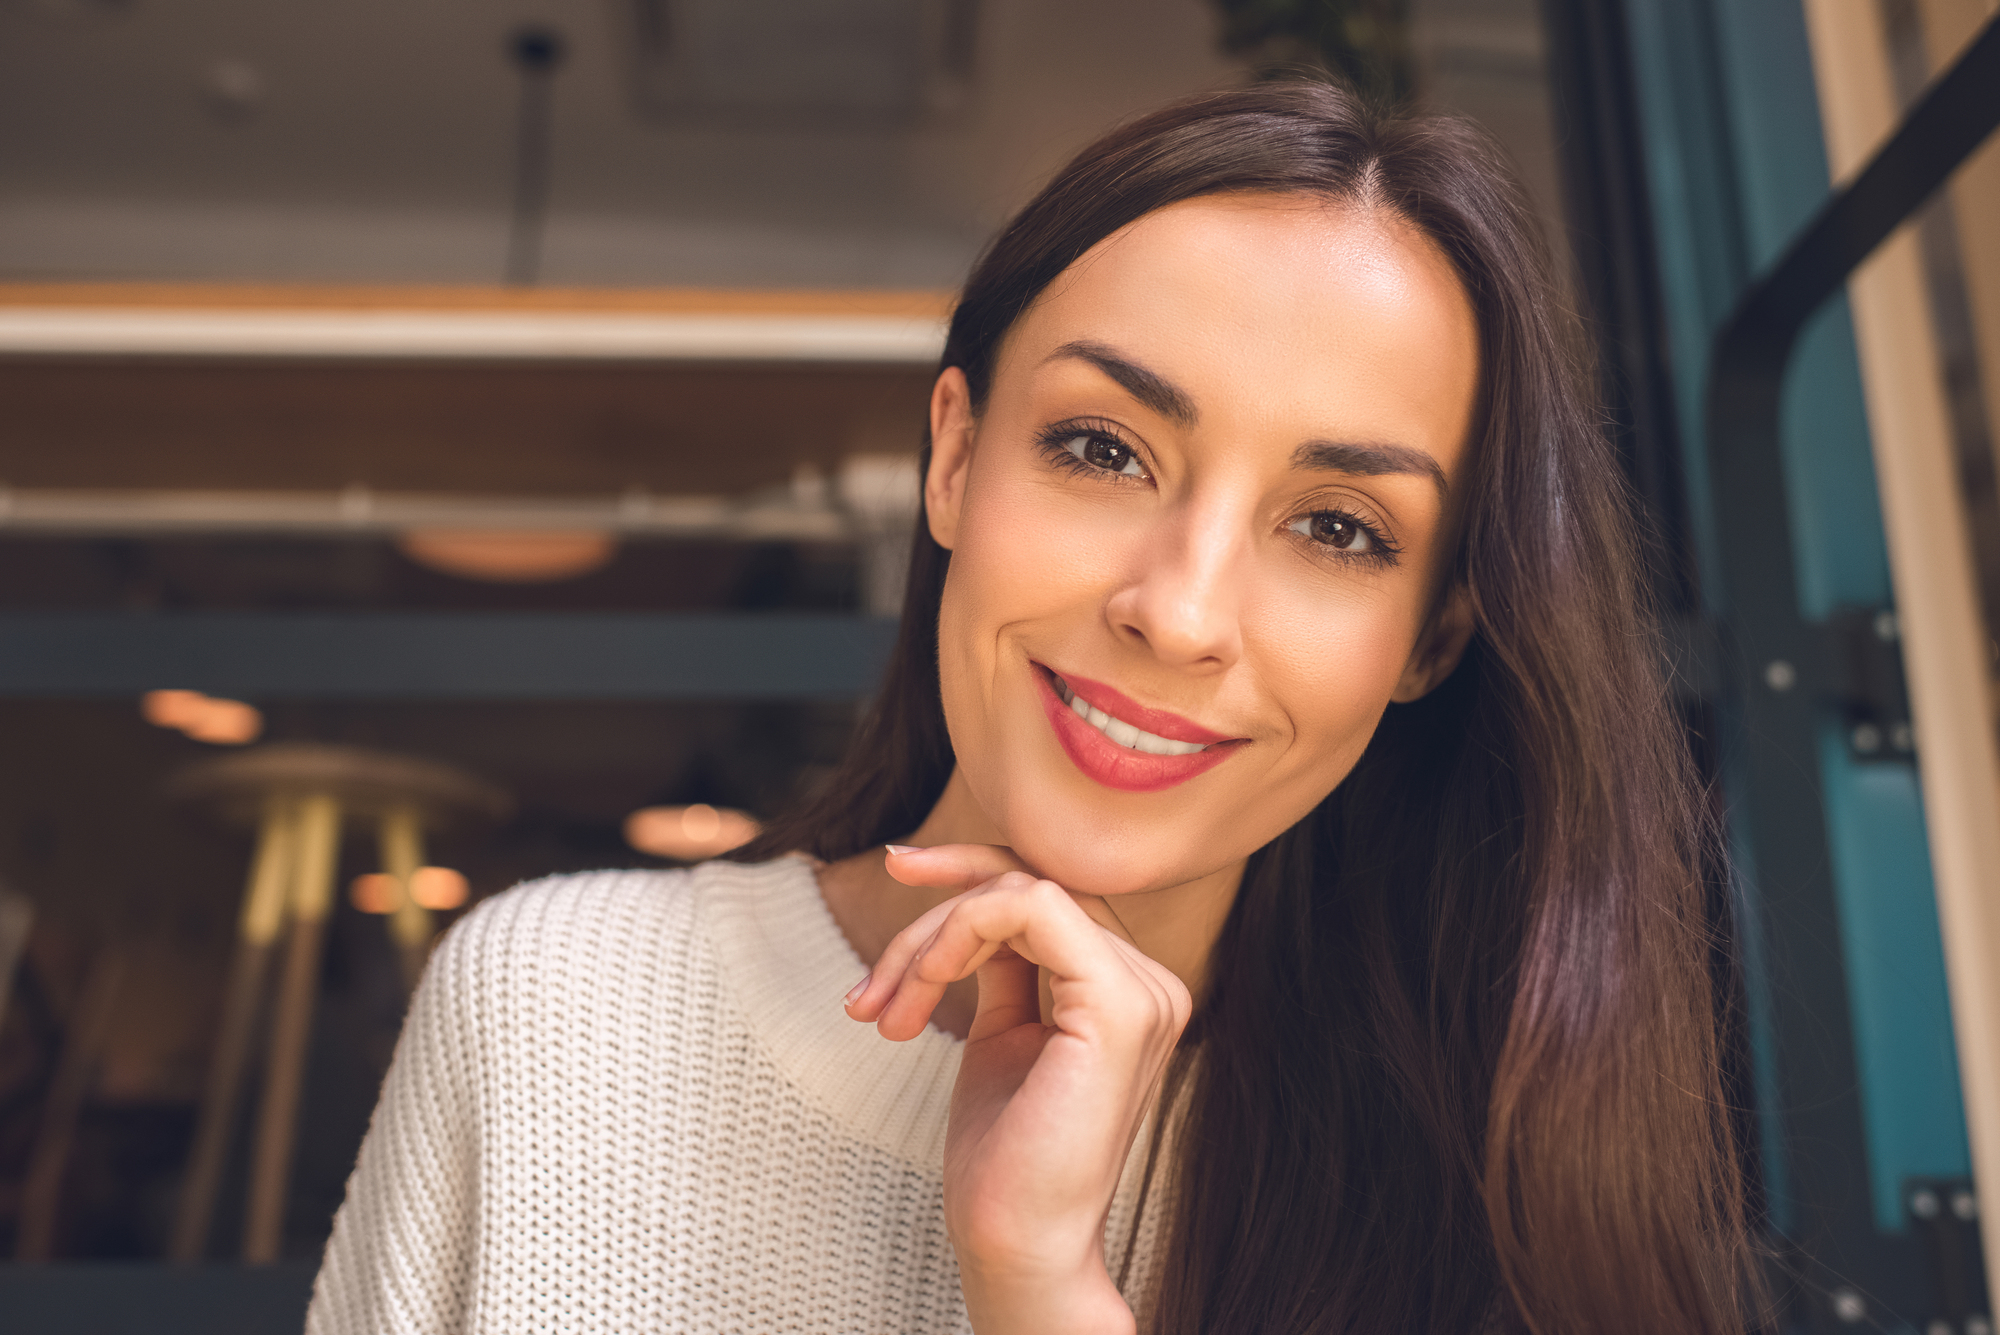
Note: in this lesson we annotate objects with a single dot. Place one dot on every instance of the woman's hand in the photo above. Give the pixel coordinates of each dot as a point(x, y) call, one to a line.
point(1043, 1115)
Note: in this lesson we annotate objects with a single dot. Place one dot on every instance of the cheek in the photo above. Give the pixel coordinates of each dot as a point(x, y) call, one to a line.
point(1026, 551)
point(1023, 558)
point(1330, 655)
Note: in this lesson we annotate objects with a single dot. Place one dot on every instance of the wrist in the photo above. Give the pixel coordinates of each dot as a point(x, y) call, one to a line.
point(1043, 1303)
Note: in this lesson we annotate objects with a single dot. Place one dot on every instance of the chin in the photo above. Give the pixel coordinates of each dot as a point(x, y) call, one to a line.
point(1082, 851)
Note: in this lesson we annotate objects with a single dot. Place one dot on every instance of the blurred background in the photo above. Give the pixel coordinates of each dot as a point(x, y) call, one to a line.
point(447, 443)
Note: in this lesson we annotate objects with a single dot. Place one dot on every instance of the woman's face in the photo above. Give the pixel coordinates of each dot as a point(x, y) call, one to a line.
point(1201, 532)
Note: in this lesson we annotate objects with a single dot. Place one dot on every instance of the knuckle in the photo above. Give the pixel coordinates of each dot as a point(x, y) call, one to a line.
point(1171, 1004)
point(1013, 882)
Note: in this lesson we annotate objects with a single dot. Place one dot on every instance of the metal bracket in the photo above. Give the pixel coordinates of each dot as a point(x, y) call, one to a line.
point(1866, 683)
point(1944, 1216)
point(1853, 667)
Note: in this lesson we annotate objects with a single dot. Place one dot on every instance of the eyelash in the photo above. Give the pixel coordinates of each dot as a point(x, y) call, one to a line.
point(1381, 551)
point(1054, 442)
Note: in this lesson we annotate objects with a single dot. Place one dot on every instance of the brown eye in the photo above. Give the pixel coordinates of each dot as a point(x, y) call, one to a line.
point(1113, 456)
point(1334, 529)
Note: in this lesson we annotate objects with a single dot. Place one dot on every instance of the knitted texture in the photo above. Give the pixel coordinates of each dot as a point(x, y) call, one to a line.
point(631, 1101)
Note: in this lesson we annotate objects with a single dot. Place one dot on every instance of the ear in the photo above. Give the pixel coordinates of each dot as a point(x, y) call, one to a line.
point(1438, 648)
point(951, 454)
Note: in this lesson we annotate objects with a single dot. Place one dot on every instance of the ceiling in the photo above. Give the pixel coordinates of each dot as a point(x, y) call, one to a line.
point(375, 140)
point(806, 143)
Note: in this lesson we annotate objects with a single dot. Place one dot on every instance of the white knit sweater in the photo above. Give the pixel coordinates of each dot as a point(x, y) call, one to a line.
point(631, 1101)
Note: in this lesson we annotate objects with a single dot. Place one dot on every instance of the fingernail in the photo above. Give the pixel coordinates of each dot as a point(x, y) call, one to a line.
point(902, 848)
point(858, 988)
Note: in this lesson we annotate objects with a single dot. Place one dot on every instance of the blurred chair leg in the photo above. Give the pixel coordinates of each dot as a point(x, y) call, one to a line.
point(17, 919)
point(88, 1031)
point(257, 934)
point(315, 855)
point(410, 926)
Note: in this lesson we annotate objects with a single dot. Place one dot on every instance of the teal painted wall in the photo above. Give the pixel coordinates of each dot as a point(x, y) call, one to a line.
point(1895, 975)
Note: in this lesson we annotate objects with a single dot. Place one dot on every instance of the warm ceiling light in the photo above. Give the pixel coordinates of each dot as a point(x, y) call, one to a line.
point(688, 834)
point(439, 888)
point(202, 717)
point(377, 892)
point(528, 557)
point(225, 723)
point(170, 709)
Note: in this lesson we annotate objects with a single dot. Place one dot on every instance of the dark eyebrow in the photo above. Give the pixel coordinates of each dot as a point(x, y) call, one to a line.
point(1368, 460)
point(1151, 388)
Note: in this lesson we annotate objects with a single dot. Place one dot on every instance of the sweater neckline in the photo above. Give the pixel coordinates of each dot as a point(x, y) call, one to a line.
point(788, 966)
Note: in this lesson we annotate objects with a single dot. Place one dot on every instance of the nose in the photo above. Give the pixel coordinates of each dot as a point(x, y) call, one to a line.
point(1183, 602)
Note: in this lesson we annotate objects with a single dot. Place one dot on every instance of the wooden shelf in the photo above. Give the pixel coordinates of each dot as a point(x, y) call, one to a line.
point(505, 324)
point(574, 429)
point(907, 303)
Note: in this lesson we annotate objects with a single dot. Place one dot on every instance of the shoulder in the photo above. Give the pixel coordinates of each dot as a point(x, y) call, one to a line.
point(573, 903)
point(544, 923)
point(596, 932)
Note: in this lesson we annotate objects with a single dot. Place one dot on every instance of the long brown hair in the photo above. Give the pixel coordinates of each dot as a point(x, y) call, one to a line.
point(1457, 1062)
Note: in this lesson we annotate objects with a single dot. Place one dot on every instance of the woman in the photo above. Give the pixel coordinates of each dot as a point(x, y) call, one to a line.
point(1294, 922)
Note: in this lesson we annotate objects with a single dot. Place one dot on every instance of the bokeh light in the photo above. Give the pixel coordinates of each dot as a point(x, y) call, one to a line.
point(377, 892)
point(508, 558)
point(690, 833)
point(439, 888)
point(204, 718)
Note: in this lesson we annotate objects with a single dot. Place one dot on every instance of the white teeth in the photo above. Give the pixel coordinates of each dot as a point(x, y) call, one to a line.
point(1121, 732)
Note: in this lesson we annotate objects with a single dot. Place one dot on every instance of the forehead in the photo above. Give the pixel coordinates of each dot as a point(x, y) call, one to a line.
point(1279, 311)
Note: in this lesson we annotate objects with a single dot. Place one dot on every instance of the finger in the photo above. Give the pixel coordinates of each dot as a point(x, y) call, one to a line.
point(1042, 922)
point(1010, 995)
point(951, 866)
point(928, 972)
point(867, 1001)
point(962, 866)
point(1099, 982)
point(923, 984)
point(944, 953)
point(1169, 996)
point(898, 996)
point(1101, 911)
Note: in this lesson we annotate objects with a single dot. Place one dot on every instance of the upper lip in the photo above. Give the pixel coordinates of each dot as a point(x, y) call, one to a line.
point(1159, 722)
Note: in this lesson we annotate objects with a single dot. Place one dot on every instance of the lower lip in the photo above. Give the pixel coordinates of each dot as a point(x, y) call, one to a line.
point(1117, 766)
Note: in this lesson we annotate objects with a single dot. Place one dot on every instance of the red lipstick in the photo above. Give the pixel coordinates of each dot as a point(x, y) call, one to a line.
point(1122, 767)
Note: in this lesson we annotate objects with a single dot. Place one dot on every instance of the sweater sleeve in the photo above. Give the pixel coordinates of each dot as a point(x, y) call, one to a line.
point(402, 1245)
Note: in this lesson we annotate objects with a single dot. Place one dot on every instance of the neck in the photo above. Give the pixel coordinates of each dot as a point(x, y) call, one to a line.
point(1177, 925)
